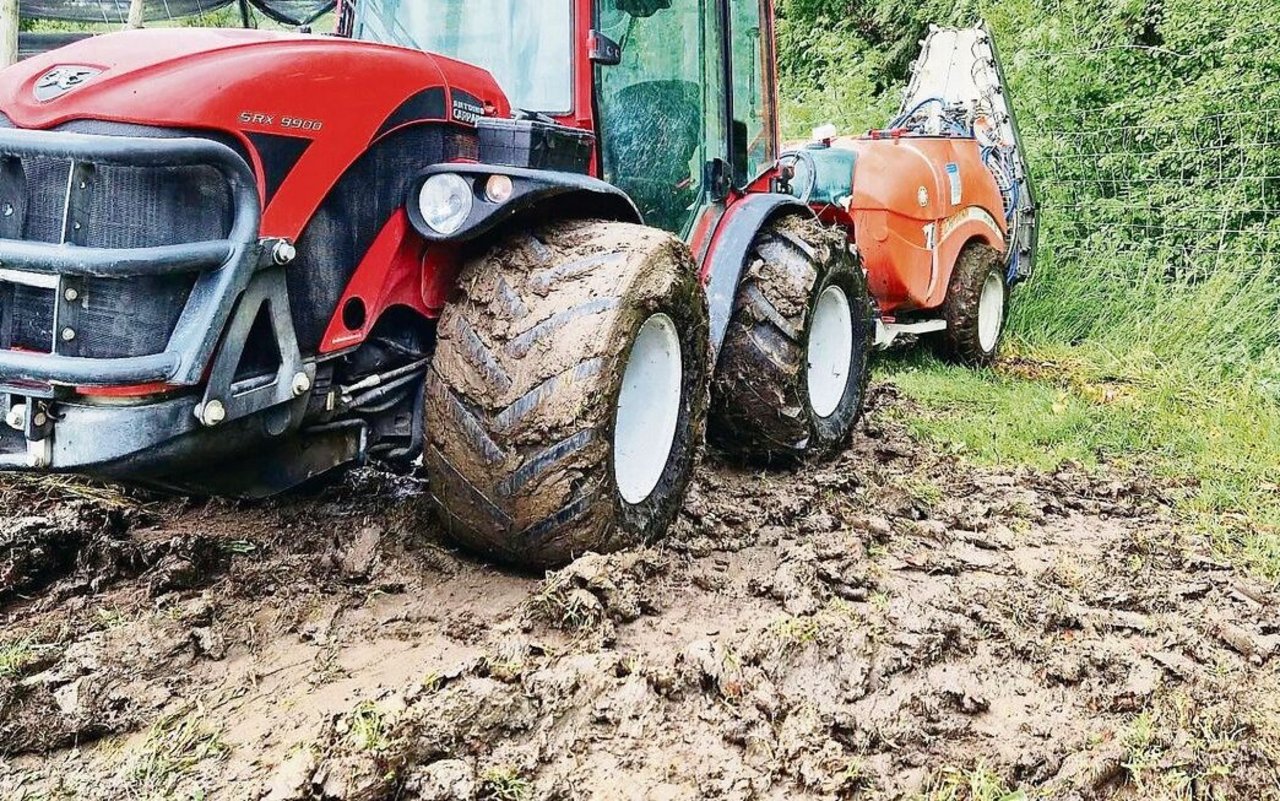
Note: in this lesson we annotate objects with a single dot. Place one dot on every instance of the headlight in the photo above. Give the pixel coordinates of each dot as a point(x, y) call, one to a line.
point(445, 202)
point(499, 189)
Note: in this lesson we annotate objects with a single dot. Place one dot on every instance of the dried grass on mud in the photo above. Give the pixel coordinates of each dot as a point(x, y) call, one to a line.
point(890, 625)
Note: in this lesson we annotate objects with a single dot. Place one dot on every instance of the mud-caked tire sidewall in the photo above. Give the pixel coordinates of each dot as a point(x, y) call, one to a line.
point(579, 508)
point(642, 522)
point(961, 342)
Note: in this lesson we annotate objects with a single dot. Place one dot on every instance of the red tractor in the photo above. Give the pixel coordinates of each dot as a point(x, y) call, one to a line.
point(538, 245)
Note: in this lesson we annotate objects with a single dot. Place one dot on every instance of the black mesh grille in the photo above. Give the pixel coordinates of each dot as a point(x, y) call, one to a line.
point(113, 207)
point(125, 318)
point(133, 207)
point(46, 185)
point(26, 317)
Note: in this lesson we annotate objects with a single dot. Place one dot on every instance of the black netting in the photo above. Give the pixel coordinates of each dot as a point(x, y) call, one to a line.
point(26, 317)
point(33, 44)
point(294, 12)
point(287, 12)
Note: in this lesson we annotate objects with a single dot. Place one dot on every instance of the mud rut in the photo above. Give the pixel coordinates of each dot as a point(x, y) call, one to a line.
point(853, 630)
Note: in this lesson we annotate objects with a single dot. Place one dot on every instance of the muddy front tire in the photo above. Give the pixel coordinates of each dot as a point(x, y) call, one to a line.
point(976, 307)
point(567, 398)
point(793, 370)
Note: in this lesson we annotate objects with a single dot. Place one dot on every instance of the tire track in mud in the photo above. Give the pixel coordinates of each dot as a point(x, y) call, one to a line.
point(875, 627)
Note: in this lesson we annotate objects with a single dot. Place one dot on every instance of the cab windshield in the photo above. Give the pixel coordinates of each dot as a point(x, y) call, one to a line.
point(528, 46)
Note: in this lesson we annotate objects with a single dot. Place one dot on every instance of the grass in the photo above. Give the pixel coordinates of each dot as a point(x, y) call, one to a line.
point(829, 624)
point(975, 784)
point(14, 658)
point(560, 604)
point(369, 728)
point(1176, 749)
point(174, 748)
point(797, 631)
point(1215, 438)
point(504, 783)
point(38, 492)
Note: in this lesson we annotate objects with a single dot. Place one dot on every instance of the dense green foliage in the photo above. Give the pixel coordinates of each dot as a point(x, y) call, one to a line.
point(1151, 333)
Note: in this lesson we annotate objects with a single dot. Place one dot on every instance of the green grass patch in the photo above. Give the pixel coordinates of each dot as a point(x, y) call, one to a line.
point(504, 783)
point(369, 728)
point(1215, 438)
point(14, 658)
point(975, 784)
point(175, 747)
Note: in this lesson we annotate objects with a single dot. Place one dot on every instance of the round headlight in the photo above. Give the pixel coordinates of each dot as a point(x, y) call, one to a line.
point(499, 189)
point(445, 202)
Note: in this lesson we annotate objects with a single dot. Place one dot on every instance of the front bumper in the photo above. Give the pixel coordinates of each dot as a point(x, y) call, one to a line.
point(53, 418)
point(94, 437)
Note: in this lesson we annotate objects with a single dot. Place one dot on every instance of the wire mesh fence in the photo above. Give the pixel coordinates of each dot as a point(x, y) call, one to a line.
point(1175, 179)
point(1194, 195)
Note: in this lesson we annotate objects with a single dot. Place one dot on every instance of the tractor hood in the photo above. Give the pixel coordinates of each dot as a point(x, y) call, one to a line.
point(238, 80)
point(315, 102)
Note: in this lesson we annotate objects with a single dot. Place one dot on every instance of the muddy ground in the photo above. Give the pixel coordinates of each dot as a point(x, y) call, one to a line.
point(894, 624)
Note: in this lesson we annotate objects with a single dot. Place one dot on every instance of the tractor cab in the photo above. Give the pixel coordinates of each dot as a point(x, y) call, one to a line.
point(680, 94)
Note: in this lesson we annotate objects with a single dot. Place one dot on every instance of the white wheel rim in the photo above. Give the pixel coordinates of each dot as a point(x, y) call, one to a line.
point(648, 409)
point(830, 351)
point(991, 312)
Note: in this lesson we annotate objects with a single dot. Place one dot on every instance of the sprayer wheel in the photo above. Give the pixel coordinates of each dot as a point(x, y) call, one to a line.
point(976, 307)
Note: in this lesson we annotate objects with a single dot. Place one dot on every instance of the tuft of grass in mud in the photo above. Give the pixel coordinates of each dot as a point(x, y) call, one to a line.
point(110, 618)
point(503, 668)
point(20, 490)
point(559, 604)
point(57, 788)
point(1177, 748)
point(797, 631)
point(15, 657)
point(174, 748)
point(504, 783)
point(1215, 439)
point(976, 784)
point(367, 728)
point(828, 625)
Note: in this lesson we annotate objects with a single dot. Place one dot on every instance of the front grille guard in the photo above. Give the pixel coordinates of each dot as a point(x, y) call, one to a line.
point(225, 266)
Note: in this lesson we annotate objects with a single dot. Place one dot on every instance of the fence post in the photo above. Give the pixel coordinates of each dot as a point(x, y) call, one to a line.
point(8, 32)
point(135, 13)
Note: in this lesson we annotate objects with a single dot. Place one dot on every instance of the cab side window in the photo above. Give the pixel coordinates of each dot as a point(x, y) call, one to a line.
point(752, 90)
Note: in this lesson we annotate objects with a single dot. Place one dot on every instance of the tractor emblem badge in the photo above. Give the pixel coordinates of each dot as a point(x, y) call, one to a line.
point(60, 80)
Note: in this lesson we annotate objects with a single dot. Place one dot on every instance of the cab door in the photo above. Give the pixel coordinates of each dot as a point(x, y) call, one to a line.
point(662, 113)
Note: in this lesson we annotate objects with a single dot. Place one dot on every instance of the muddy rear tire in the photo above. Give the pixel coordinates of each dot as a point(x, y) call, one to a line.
point(976, 307)
point(578, 353)
point(793, 370)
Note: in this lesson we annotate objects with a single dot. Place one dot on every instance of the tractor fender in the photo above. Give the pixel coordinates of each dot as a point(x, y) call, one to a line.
point(724, 265)
point(972, 224)
point(571, 193)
